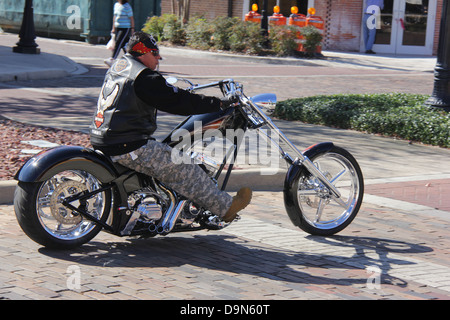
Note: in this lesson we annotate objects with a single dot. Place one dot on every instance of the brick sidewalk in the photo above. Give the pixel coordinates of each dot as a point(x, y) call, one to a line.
point(430, 193)
point(383, 254)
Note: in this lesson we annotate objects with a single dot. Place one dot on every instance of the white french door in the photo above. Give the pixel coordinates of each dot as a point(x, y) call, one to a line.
point(406, 27)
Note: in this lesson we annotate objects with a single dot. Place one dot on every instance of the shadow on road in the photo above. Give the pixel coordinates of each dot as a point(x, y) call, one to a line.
point(230, 254)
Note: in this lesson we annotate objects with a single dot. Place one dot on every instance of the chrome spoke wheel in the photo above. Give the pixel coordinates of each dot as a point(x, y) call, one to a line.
point(320, 208)
point(58, 220)
point(310, 201)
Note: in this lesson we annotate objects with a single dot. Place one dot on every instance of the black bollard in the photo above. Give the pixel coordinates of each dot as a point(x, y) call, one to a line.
point(265, 24)
point(441, 92)
point(27, 34)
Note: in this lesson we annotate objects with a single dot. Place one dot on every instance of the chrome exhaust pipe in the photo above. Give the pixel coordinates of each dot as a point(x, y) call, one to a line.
point(152, 228)
point(169, 223)
point(166, 216)
point(171, 215)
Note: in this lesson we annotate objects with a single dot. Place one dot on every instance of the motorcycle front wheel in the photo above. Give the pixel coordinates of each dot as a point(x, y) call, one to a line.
point(314, 209)
point(43, 217)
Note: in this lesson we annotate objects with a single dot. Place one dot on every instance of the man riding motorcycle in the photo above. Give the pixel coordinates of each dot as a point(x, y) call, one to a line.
point(125, 120)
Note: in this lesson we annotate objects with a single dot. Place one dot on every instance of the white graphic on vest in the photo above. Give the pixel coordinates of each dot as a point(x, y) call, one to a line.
point(109, 90)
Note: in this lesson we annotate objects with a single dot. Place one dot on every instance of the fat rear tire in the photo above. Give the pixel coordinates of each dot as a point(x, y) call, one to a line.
point(31, 218)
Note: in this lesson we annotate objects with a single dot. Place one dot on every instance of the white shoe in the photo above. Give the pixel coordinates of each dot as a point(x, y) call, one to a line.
point(109, 61)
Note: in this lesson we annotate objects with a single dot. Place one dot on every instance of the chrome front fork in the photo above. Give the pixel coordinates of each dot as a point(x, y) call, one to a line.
point(300, 158)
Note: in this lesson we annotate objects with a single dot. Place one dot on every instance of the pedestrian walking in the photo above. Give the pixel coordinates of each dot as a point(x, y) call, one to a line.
point(122, 27)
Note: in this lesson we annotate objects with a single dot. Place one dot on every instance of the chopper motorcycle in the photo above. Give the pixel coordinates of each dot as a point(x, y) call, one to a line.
point(67, 195)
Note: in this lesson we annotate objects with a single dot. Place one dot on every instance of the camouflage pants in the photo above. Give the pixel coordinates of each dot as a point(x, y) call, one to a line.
point(156, 159)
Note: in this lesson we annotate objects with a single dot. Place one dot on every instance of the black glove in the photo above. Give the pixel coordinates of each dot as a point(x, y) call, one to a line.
point(228, 102)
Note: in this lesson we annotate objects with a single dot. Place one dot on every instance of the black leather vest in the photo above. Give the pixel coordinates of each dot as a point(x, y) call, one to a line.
point(122, 117)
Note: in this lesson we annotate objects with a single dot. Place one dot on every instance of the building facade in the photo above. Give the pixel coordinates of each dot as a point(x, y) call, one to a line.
point(402, 26)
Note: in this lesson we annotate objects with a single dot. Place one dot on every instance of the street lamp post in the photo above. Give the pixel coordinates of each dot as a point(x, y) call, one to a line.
point(27, 34)
point(264, 20)
point(441, 92)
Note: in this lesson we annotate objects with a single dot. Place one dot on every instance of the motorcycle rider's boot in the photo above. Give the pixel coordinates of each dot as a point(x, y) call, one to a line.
point(240, 201)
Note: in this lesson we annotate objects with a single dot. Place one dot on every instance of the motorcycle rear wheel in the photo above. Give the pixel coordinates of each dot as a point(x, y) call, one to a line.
point(43, 217)
point(320, 214)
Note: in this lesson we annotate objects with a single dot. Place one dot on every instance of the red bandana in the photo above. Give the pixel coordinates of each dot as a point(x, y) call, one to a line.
point(141, 48)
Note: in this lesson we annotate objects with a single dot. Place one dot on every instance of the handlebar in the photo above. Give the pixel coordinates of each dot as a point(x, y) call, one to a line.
point(228, 87)
point(247, 107)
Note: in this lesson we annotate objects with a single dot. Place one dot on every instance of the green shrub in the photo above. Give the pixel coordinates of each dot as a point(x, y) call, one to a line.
point(399, 115)
point(246, 37)
point(155, 25)
point(224, 33)
point(282, 40)
point(174, 32)
point(167, 27)
point(199, 33)
point(313, 38)
point(222, 30)
point(239, 32)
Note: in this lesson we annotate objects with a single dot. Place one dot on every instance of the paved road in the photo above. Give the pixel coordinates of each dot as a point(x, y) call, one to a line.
point(75, 96)
point(385, 254)
point(397, 247)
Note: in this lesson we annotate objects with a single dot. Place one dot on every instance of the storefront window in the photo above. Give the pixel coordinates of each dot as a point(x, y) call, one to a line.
point(386, 18)
point(403, 26)
point(415, 22)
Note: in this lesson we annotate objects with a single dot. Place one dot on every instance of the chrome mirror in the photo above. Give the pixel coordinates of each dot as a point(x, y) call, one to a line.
point(171, 80)
point(265, 100)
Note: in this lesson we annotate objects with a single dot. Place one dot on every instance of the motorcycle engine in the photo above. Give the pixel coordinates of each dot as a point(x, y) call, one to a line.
point(149, 209)
point(151, 206)
point(148, 204)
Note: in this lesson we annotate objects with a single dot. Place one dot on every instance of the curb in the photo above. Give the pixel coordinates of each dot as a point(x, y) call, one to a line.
point(330, 59)
point(261, 179)
point(7, 191)
point(241, 57)
point(38, 74)
point(44, 66)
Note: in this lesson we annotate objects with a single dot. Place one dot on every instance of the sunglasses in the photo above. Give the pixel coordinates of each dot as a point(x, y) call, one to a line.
point(155, 52)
